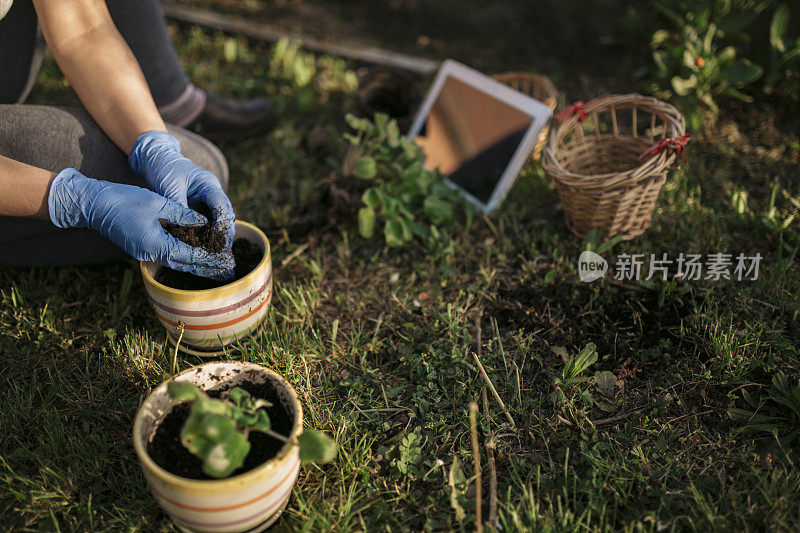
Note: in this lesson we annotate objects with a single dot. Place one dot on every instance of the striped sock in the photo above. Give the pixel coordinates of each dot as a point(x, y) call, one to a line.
point(184, 109)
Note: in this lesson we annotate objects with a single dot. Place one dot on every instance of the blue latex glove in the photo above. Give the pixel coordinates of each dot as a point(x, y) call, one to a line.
point(129, 217)
point(156, 157)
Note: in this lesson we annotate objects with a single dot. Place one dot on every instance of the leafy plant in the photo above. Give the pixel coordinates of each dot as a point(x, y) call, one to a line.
point(308, 75)
point(778, 415)
point(572, 374)
point(705, 50)
point(410, 455)
point(783, 70)
point(216, 430)
point(408, 200)
point(772, 221)
point(690, 60)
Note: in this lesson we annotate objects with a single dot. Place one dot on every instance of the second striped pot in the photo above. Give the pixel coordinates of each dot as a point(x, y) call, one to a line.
point(250, 501)
point(214, 318)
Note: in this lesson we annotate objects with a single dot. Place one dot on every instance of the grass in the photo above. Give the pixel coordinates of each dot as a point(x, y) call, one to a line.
point(378, 343)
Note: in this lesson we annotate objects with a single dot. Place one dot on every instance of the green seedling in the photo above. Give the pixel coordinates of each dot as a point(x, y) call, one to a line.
point(411, 202)
point(572, 374)
point(778, 414)
point(217, 429)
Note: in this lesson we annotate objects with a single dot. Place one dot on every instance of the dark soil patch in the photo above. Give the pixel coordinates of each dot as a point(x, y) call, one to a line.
point(620, 324)
point(206, 236)
point(390, 92)
point(168, 452)
point(389, 100)
point(246, 254)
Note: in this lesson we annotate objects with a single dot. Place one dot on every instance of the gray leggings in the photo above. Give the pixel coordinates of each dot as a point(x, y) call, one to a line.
point(57, 138)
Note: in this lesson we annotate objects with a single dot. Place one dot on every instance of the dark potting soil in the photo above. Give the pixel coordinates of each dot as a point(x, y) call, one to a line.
point(166, 449)
point(206, 236)
point(246, 255)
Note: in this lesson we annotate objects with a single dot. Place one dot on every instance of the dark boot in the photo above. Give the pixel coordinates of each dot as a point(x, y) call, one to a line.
point(222, 119)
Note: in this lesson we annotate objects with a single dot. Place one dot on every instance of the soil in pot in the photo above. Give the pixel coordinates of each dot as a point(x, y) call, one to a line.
point(206, 236)
point(166, 449)
point(246, 254)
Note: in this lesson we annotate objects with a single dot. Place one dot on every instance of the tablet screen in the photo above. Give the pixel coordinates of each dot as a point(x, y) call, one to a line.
point(471, 137)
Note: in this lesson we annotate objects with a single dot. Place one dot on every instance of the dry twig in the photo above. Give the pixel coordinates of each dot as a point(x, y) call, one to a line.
point(182, 327)
point(299, 250)
point(476, 460)
point(489, 439)
point(494, 391)
point(486, 376)
point(490, 461)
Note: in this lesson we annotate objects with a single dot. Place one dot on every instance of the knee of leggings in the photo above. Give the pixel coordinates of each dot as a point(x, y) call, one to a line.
point(203, 153)
point(218, 165)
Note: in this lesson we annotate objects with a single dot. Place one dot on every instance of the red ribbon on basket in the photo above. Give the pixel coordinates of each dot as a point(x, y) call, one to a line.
point(678, 143)
point(578, 107)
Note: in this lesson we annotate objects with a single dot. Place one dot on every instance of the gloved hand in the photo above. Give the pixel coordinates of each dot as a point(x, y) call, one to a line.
point(129, 217)
point(156, 157)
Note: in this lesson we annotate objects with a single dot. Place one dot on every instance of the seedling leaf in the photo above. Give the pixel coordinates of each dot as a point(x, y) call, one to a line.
point(366, 222)
point(225, 457)
point(605, 382)
point(365, 168)
point(777, 28)
point(316, 447)
point(180, 391)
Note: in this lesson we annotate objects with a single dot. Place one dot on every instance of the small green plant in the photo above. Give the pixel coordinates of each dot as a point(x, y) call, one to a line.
point(409, 200)
point(778, 415)
point(216, 430)
point(772, 221)
point(572, 374)
point(410, 455)
point(594, 244)
point(310, 77)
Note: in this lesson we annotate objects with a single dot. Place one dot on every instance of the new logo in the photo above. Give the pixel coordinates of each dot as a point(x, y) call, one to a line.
point(591, 266)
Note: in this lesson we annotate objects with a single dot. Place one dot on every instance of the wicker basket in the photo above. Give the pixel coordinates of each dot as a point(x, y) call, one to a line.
point(536, 86)
point(596, 164)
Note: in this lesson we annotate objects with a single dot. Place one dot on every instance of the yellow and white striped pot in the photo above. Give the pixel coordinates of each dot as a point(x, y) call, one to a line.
point(251, 501)
point(214, 318)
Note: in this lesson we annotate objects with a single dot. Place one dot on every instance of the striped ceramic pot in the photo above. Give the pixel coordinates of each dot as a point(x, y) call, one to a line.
point(251, 501)
point(214, 318)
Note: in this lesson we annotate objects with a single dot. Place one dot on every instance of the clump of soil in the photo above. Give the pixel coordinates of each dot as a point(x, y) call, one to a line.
point(246, 255)
point(166, 449)
point(206, 236)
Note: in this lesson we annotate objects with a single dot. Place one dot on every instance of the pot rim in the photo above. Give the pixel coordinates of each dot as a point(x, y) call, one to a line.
point(224, 290)
point(239, 479)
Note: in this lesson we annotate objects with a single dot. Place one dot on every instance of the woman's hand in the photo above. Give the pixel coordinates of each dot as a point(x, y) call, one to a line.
point(157, 158)
point(130, 217)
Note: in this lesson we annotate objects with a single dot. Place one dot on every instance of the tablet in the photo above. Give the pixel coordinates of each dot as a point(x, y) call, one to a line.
point(477, 131)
